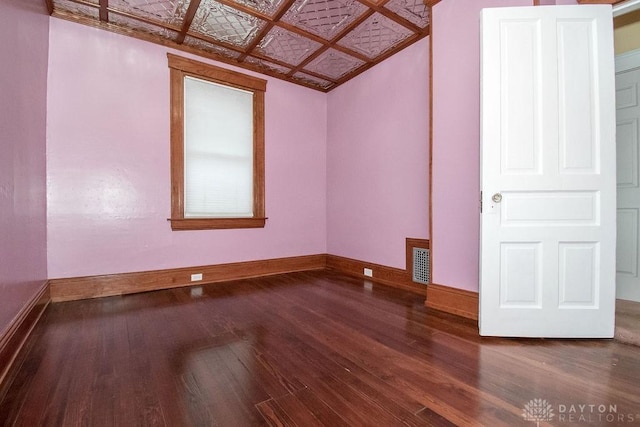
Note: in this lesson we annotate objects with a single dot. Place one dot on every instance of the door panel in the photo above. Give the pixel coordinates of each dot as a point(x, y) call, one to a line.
point(521, 63)
point(557, 208)
point(577, 75)
point(627, 245)
point(520, 276)
point(548, 172)
point(578, 276)
point(627, 140)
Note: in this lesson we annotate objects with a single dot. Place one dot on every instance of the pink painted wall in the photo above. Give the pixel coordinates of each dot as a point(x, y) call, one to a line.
point(378, 159)
point(108, 164)
point(24, 30)
point(456, 140)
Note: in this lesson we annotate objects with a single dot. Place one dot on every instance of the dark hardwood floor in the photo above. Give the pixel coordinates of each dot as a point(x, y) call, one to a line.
point(306, 349)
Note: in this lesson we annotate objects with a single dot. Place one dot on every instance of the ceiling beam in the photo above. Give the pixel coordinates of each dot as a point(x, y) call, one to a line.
point(188, 19)
point(104, 14)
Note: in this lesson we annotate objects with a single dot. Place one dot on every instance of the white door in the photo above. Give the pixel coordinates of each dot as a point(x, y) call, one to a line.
point(628, 146)
point(548, 223)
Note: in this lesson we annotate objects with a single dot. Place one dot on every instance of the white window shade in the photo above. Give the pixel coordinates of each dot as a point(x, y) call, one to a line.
point(218, 150)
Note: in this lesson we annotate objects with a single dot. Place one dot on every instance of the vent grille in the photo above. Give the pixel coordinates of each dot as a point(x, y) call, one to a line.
point(421, 266)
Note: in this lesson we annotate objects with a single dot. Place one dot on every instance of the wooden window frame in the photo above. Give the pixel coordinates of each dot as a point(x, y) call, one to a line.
point(179, 69)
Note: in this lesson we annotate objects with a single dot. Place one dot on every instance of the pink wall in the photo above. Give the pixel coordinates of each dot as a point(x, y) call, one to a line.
point(24, 30)
point(456, 140)
point(108, 164)
point(378, 158)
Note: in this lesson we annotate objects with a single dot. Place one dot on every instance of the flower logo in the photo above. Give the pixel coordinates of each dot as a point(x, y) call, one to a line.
point(538, 410)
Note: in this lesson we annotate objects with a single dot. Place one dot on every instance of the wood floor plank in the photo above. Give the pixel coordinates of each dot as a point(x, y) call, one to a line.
point(302, 408)
point(301, 349)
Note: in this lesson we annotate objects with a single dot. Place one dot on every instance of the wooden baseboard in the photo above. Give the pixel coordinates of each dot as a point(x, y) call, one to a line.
point(451, 300)
point(13, 340)
point(127, 283)
point(386, 275)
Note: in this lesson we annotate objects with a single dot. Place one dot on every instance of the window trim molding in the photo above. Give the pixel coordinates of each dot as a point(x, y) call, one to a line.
point(180, 68)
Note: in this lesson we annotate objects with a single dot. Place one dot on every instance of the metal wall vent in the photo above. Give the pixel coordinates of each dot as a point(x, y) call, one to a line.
point(421, 266)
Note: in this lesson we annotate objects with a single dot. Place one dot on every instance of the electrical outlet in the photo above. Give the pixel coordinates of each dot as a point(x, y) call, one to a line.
point(368, 272)
point(196, 277)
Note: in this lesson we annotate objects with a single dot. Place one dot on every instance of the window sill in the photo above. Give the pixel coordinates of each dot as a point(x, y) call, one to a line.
point(181, 224)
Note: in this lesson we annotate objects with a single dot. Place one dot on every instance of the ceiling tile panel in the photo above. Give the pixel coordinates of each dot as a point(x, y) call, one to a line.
point(167, 11)
point(324, 18)
point(76, 8)
point(226, 24)
point(286, 46)
point(334, 64)
point(312, 80)
point(268, 7)
point(415, 11)
point(134, 24)
point(376, 35)
point(266, 65)
point(210, 47)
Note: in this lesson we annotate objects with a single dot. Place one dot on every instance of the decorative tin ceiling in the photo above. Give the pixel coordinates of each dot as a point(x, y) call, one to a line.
point(314, 43)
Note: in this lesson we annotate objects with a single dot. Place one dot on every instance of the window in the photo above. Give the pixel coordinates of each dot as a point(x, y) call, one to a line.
point(217, 147)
